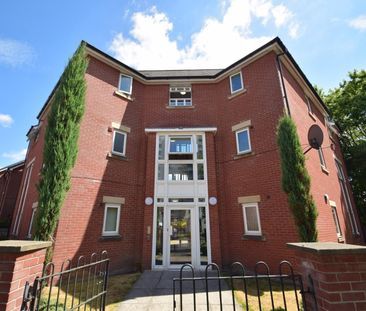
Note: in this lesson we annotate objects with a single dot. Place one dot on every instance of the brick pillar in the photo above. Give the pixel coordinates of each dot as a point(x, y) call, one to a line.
point(338, 272)
point(20, 261)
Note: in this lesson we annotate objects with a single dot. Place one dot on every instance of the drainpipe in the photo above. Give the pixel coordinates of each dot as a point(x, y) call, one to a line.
point(283, 88)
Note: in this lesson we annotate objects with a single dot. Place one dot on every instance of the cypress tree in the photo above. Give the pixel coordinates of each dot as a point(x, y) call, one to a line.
point(296, 180)
point(61, 144)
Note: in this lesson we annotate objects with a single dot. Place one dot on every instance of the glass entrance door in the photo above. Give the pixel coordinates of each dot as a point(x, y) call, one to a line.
point(180, 236)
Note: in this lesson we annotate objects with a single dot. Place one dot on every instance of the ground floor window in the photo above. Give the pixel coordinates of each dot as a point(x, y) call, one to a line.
point(336, 221)
point(252, 224)
point(111, 219)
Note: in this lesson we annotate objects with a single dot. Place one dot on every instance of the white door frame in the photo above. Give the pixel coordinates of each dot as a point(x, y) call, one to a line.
point(167, 234)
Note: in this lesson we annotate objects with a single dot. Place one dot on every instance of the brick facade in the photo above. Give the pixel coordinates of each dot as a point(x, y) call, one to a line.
point(97, 173)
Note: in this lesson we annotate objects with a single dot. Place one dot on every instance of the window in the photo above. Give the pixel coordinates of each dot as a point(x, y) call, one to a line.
point(336, 220)
point(236, 83)
point(119, 143)
point(252, 224)
point(32, 221)
point(346, 198)
point(180, 145)
point(111, 219)
point(321, 158)
point(243, 141)
point(180, 97)
point(180, 172)
point(309, 104)
point(125, 84)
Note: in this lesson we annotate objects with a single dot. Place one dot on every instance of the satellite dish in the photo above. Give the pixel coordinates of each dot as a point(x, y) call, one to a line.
point(315, 136)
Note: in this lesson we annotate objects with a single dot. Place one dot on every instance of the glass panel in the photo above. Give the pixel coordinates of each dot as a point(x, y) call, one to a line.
point(159, 235)
point(200, 172)
point(201, 200)
point(180, 200)
point(180, 237)
point(236, 83)
point(181, 156)
point(160, 199)
point(243, 141)
point(183, 145)
point(161, 147)
point(125, 84)
point(336, 221)
point(160, 171)
point(199, 147)
point(111, 219)
point(119, 141)
point(251, 216)
point(180, 171)
point(203, 236)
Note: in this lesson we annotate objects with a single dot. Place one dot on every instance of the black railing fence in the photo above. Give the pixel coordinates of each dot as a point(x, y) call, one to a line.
point(240, 290)
point(79, 287)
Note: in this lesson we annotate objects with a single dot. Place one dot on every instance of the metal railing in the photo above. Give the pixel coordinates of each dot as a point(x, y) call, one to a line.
point(186, 289)
point(75, 288)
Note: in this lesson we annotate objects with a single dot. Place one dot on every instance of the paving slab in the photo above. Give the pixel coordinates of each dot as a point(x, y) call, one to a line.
point(153, 291)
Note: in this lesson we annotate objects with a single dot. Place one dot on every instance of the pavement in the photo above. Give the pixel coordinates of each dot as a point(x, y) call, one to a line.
point(153, 291)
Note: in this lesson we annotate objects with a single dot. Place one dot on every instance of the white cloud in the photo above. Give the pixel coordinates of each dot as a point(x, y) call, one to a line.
point(6, 120)
point(358, 22)
point(16, 155)
point(150, 46)
point(15, 53)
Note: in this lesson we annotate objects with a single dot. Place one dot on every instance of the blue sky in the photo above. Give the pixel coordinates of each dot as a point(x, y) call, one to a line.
point(327, 39)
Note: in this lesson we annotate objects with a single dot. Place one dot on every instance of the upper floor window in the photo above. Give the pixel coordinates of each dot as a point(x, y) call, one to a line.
point(336, 220)
point(180, 97)
point(125, 84)
point(252, 225)
point(236, 82)
point(309, 104)
point(119, 143)
point(321, 158)
point(180, 145)
point(243, 141)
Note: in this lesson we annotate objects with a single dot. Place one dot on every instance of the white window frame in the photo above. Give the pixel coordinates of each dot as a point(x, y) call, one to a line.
point(173, 102)
point(337, 223)
point(246, 231)
point(231, 84)
point(237, 140)
point(185, 137)
point(323, 164)
point(34, 211)
point(119, 84)
point(116, 232)
point(124, 143)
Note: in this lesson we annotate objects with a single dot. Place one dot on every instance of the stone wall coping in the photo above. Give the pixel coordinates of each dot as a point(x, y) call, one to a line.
point(20, 246)
point(328, 248)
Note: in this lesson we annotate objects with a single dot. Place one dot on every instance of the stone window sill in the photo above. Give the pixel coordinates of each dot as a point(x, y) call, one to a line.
point(312, 115)
point(124, 95)
point(180, 107)
point(116, 237)
point(244, 155)
point(247, 237)
point(324, 169)
point(340, 239)
point(237, 93)
point(116, 156)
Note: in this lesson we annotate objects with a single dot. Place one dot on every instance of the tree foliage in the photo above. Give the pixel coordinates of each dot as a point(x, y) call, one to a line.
point(61, 144)
point(348, 107)
point(296, 180)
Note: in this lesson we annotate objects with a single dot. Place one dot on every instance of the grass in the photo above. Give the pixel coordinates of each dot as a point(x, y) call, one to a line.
point(117, 288)
point(265, 296)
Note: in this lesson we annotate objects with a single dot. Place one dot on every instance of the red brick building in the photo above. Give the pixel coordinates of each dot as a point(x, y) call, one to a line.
point(180, 166)
point(10, 179)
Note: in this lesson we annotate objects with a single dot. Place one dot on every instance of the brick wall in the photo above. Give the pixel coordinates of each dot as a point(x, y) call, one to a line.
point(338, 272)
point(20, 261)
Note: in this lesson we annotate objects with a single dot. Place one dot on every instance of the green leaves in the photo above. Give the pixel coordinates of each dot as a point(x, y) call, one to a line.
point(348, 106)
point(61, 144)
point(296, 180)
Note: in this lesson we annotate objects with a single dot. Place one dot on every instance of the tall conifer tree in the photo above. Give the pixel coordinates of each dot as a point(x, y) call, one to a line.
point(61, 144)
